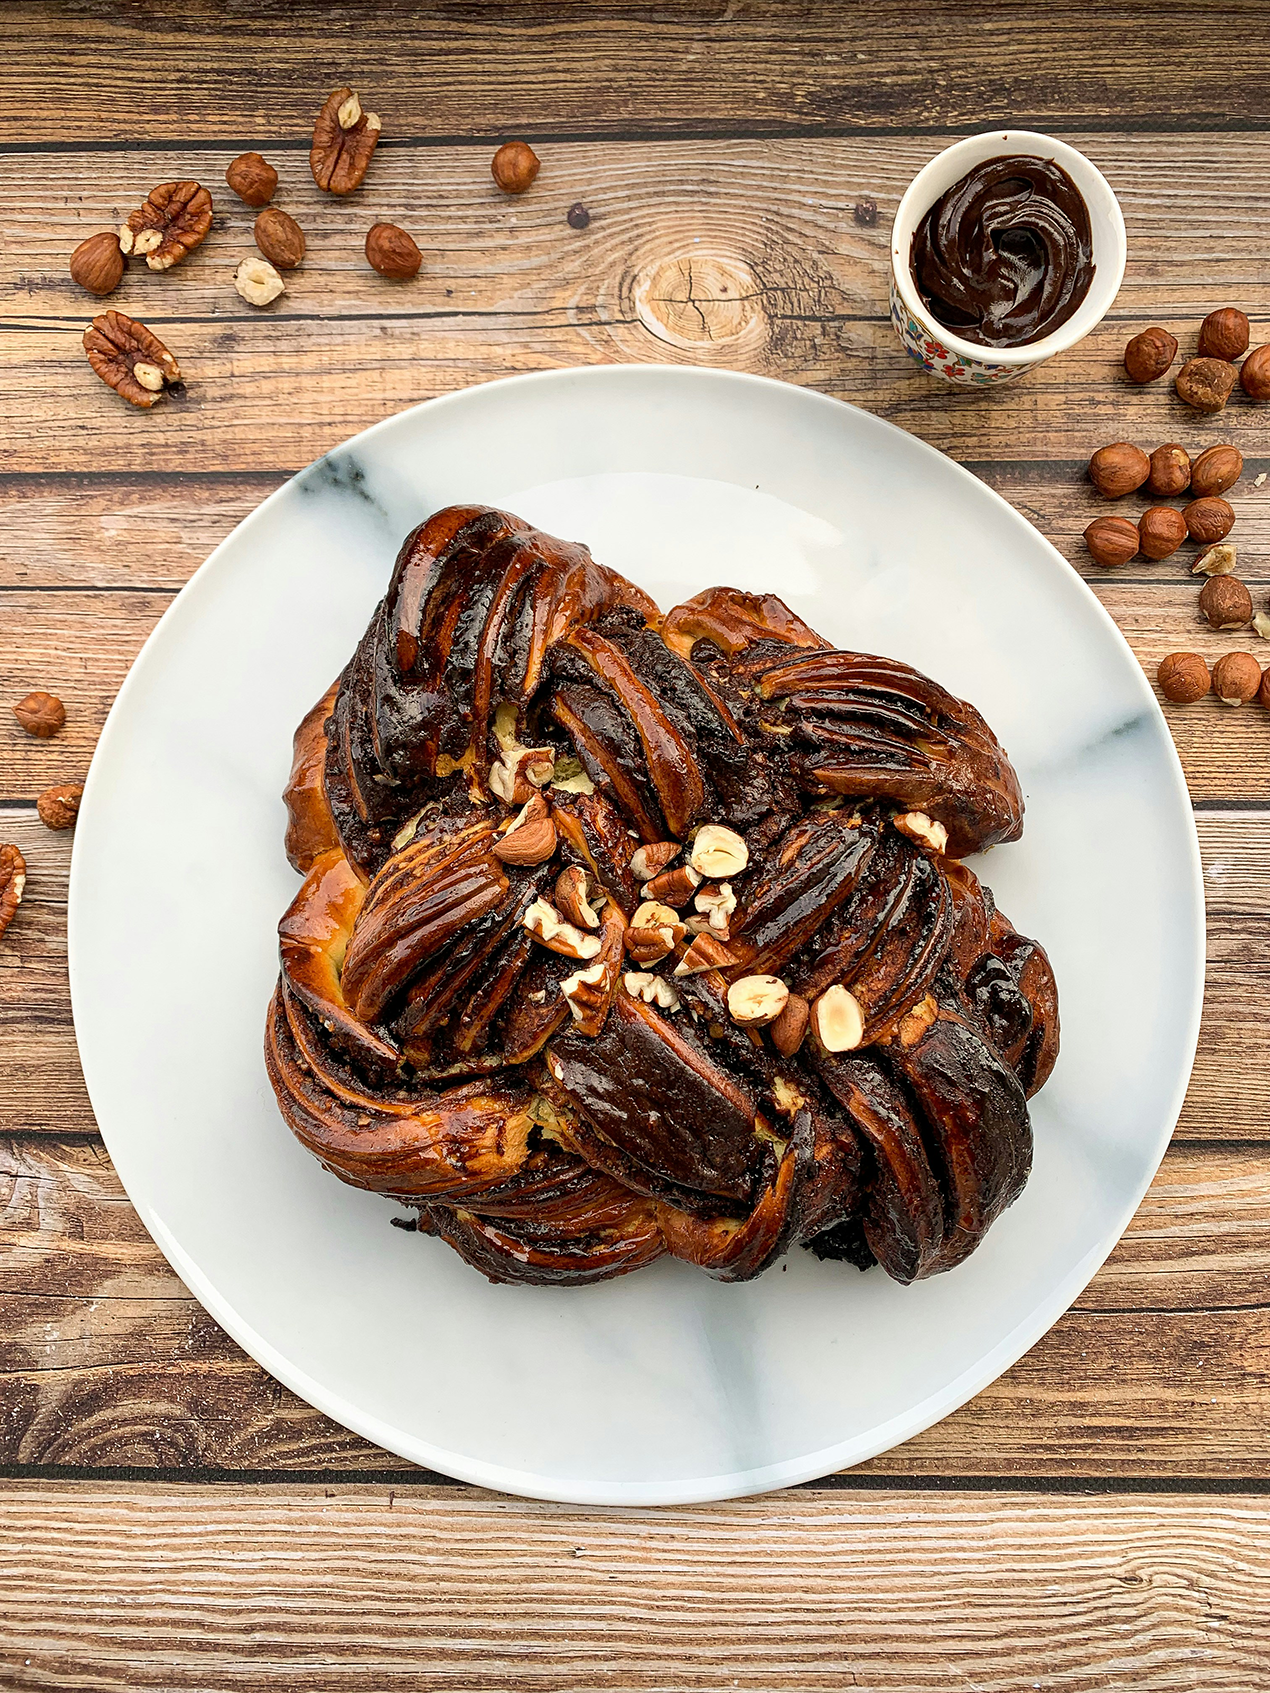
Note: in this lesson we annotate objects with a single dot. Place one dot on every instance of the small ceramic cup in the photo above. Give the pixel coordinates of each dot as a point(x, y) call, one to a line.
point(965, 362)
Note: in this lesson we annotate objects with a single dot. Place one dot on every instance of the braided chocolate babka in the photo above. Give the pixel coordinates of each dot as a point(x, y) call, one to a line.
point(625, 934)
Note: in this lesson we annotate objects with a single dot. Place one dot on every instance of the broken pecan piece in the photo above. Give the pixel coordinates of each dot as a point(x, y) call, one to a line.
point(172, 222)
point(129, 358)
point(344, 138)
point(12, 882)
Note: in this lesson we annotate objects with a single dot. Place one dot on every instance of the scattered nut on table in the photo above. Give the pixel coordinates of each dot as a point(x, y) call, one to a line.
point(1215, 470)
point(1254, 374)
point(392, 252)
point(40, 714)
point(279, 238)
point(344, 141)
point(1150, 354)
point(1161, 531)
point(1119, 469)
point(1225, 602)
point(174, 219)
point(129, 358)
point(1223, 334)
point(1236, 678)
point(12, 883)
point(258, 282)
point(97, 264)
point(1209, 520)
point(58, 806)
point(514, 167)
point(1183, 678)
point(253, 179)
point(1205, 384)
point(1112, 540)
point(577, 217)
point(1170, 471)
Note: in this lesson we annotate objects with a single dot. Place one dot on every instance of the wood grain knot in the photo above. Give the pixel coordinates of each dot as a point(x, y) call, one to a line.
point(699, 299)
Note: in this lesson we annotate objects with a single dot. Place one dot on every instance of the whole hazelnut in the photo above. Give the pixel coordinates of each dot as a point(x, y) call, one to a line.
point(1208, 521)
point(1215, 470)
point(1263, 692)
point(392, 252)
point(1254, 374)
point(1119, 469)
point(1183, 678)
point(280, 238)
point(40, 714)
point(1161, 531)
point(1236, 678)
point(514, 167)
point(1112, 540)
point(252, 178)
point(1150, 354)
point(1205, 384)
point(1223, 334)
point(59, 806)
point(1170, 471)
point(1225, 602)
point(98, 263)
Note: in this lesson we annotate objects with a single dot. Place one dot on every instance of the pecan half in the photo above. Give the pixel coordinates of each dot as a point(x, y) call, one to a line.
point(344, 138)
point(12, 882)
point(172, 222)
point(129, 359)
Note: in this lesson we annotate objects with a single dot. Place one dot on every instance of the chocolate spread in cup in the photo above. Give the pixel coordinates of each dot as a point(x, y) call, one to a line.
point(1004, 256)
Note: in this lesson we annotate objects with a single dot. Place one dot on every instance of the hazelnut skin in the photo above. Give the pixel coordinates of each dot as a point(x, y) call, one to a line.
point(1205, 384)
point(1112, 540)
point(1150, 354)
point(1209, 521)
point(1223, 334)
point(1183, 678)
point(1119, 469)
point(1215, 470)
point(1254, 374)
point(98, 263)
point(1170, 471)
point(1161, 531)
point(253, 179)
point(1236, 678)
point(1225, 602)
point(514, 167)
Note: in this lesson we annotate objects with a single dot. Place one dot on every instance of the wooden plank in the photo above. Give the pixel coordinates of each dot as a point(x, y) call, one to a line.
point(613, 69)
point(43, 1090)
point(80, 645)
point(328, 1589)
point(153, 530)
point(486, 252)
point(1160, 1369)
point(698, 253)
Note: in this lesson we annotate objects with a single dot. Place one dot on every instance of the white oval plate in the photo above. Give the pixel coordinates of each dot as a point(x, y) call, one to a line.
point(663, 1386)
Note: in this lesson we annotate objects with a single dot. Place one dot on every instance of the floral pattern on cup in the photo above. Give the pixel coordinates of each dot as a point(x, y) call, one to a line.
point(932, 356)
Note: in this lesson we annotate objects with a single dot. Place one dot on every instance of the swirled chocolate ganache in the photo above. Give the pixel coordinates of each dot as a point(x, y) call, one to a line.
point(1005, 256)
point(624, 934)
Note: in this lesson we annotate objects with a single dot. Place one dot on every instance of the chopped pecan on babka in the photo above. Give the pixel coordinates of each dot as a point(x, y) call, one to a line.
point(623, 934)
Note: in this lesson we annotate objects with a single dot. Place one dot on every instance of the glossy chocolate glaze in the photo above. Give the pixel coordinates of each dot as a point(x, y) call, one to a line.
point(1005, 256)
point(424, 1043)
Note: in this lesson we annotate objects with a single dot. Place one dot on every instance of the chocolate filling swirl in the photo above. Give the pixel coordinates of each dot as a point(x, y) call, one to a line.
point(1004, 257)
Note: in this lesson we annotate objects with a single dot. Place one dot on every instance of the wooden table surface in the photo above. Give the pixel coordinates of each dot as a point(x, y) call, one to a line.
point(172, 1517)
